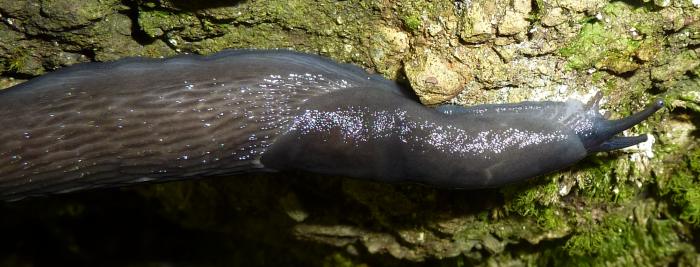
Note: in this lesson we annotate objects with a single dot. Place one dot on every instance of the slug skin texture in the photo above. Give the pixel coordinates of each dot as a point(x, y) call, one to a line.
point(239, 111)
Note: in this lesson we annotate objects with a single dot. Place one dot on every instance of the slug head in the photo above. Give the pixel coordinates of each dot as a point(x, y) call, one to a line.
point(601, 134)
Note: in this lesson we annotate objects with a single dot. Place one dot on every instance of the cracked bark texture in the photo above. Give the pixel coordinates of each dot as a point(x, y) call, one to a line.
point(639, 206)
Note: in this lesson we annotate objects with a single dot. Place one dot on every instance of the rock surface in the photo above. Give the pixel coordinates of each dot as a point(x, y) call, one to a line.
point(635, 207)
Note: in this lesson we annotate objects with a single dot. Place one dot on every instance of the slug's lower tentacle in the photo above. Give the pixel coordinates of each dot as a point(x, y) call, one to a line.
point(618, 143)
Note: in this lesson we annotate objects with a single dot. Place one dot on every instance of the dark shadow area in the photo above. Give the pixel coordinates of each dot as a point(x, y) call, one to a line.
point(239, 224)
point(203, 4)
point(137, 33)
point(15, 75)
point(405, 86)
point(639, 4)
point(687, 115)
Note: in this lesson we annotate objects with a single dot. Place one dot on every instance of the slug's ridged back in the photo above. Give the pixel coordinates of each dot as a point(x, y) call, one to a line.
point(104, 124)
point(107, 124)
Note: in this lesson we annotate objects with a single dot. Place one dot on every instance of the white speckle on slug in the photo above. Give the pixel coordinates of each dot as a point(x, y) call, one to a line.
point(358, 125)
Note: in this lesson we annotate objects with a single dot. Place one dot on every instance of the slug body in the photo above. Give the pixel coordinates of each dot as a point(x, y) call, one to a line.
point(133, 120)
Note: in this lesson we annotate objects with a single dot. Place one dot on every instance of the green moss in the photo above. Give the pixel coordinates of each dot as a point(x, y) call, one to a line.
point(61, 15)
point(598, 47)
point(689, 199)
point(601, 240)
point(334, 28)
point(674, 66)
point(260, 36)
point(683, 186)
point(479, 235)
point(412, 22)
point(618, 240)
point(155, 23)
point(414, 14)
point(340, 260)
point(525, 202)
point(623, 39)
point(597, 181)
point(15, 64)
point(537, 202)
point(610, 85)
point(18, 62)
point(551, 218)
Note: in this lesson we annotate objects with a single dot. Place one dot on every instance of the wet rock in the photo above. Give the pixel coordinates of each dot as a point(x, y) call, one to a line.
point(387, 48)
point(553, 17)
point(588, 6)
point(676, 66)
point(476, 21)
point(514, 20)
point(432, 78)
point(495, 75)
point(57, 15)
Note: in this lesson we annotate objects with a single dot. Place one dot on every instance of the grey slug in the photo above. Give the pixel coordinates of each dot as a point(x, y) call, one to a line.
point(134, 120)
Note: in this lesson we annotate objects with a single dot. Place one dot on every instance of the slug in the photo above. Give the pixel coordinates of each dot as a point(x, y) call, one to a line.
point(239, 111)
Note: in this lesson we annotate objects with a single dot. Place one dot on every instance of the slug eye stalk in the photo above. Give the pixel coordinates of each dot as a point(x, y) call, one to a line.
point(604, 133)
